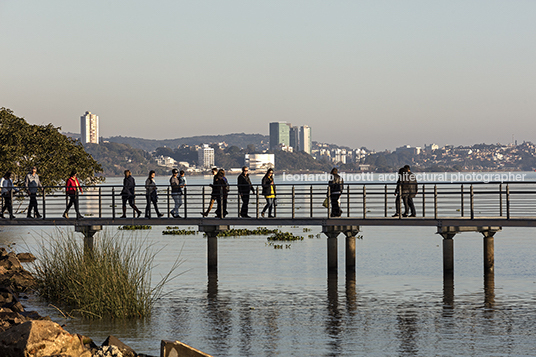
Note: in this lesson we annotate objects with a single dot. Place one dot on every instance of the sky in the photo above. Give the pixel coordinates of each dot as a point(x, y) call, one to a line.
point(379, 73)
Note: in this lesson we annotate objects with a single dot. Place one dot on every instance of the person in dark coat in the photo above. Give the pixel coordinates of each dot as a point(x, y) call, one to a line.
point(409, 191)
point(7, 194)
point(128, 194)
point(336, 186)
point(268, 191)
point(244, 187)
point(221, 186)
point(151, 195)
point(213, 194)
point(33, 185)
point(398, 190)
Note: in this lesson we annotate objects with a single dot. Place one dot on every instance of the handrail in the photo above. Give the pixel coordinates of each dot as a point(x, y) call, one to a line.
point(304, 199)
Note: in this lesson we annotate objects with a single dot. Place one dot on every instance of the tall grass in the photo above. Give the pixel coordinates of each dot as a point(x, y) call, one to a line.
point(112, 280)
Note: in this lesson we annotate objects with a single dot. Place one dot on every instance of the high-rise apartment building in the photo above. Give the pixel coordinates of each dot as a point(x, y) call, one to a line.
point(205, 157)
point(279, 134)
point(89, 128)
point(305, 139)
point(295, 137)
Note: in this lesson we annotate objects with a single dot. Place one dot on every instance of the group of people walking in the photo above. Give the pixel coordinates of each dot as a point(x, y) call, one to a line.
point(405, 191)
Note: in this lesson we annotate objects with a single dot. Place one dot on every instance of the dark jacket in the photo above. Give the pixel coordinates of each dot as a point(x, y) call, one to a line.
point(267, 184)
point(244, 184)
point(128, 187)
point(336, 186)
point(220, 186)
point(409, 184)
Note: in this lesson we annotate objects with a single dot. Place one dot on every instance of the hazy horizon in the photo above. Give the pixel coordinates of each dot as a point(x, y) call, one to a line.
point(379, 74)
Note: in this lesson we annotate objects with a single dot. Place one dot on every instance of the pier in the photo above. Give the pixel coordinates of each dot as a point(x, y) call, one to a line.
point(451, 209)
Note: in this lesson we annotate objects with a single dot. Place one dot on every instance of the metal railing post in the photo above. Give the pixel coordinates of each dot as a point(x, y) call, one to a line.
point(424, 200)
point(113, 202)
point(311, 200)
point(238, 200)
point(329, 201)
point(168, 199)
point(385, 201)
point(44, 204)
point(364, 201)
point(500, 201)
point(100, 202)
point(293, 201)
point(347, 200)
point(203, 200)
point(472, 197)
point(435, 201)
point(507, 201)
point(257, 202)
point(185, 202)
point(461, 208)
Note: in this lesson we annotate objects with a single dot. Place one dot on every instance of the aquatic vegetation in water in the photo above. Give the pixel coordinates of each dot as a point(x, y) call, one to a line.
point(284, 236)
point(177, 231)
point(260, 231)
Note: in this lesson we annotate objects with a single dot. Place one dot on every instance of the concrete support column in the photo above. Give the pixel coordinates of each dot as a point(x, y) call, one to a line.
point(332, 251)
point(350, 232)
point(88, 232)
point(489, 252)
point(448, 253)
point(211, 231)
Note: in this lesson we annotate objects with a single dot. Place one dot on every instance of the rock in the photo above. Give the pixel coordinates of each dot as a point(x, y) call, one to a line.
point(125, 350)
point(20, 280)
point(25, 257)
point(38, 339)
point(10, 262)
point(108, 351)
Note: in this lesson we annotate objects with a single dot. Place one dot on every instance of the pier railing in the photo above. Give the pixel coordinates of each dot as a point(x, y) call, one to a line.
point(358, 200)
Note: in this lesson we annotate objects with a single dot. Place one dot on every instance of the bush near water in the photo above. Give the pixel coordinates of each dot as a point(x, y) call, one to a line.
point(112, 280)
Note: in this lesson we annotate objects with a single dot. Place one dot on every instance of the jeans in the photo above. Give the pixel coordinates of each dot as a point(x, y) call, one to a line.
point(177, 198)
point(269, 206)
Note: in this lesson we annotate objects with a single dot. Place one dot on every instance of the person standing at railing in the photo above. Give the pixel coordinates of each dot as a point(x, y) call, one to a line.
point(128, 194)
point(268, 191)
point(177, 182)
point(336, 186)
point(398, 190)
point(32, 185)
point(213, 195)
point(409, 191)
point(7, 194)
point(222, 189)
point(244, 186)
point(151, 195)
point(72, 189)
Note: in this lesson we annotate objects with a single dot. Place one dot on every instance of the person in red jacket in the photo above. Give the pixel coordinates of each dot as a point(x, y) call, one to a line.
point(72, 188)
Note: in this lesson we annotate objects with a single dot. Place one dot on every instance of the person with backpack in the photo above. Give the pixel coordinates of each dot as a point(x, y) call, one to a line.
point(336, 186)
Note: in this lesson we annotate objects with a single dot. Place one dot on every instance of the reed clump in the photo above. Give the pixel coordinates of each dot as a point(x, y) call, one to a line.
point(112, 280)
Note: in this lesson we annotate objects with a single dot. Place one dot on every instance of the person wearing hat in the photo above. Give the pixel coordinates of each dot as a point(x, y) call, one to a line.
point(177, 182)
point(32, 185)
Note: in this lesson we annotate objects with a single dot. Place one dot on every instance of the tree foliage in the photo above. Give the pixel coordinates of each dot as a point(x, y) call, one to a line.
point(24, 145)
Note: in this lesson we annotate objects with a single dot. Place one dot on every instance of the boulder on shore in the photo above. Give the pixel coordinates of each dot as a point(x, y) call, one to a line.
point(39, 339)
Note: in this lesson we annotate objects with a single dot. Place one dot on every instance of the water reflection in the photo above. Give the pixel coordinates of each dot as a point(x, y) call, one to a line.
point(334, 319)
point(218, 316)
point(407, 323)
point(351, 294)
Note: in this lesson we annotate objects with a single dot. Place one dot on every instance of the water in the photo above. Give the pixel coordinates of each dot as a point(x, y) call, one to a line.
point(265, 301)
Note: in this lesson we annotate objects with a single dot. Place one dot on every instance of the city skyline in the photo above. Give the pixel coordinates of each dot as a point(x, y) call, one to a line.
point(376, 74)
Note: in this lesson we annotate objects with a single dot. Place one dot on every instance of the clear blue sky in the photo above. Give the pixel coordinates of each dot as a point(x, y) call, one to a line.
point(373, 73)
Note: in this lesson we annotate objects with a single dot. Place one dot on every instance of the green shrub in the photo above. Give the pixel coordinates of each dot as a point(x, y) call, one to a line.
point(112, 280)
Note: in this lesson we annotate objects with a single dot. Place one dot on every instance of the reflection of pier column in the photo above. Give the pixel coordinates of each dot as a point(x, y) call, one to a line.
point(211, 232)
point(351, 293)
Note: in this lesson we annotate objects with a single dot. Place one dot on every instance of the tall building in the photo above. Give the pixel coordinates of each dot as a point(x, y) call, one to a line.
point(205, 157)
point(279, 134)
point(295, 137)
point(89, 128)
point(305, 139)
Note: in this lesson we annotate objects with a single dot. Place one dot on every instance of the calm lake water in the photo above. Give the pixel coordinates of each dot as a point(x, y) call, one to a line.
point(265, 301)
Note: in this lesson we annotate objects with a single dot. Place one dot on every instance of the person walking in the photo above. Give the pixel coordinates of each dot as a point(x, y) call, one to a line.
point(128, 194)
point(7, 194)
point(213, 195)
point(336, 186)
point(151, 195)
point(268, 191)
point(32, 185)
point(398, 190)
point(409, 191)
point(222, 188)
point(72, 190)
point(244, 187)
point(177, 182)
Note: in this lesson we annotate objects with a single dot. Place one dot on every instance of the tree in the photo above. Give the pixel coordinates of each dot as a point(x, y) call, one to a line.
point(24, 145)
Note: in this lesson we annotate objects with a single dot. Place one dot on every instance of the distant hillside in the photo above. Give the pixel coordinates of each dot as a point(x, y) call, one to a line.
point(241, 140)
